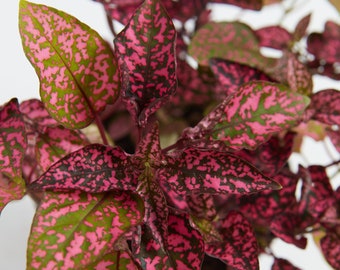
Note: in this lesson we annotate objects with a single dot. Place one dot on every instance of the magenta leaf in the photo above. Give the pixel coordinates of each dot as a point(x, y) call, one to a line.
point(202, 206)
point(12, 148)
point(330, 246)
point(232, 75)
point(57, 142)
point(91, 226)
point(257, 111)
point(320, 104)
point(35, 113)
point(326, 46)
point(282, 264)
point(76, 67)
point(286, 226)
point(232, 41)
point(239, 247)
point(146, 55)
point(94, 168)
point(199, 171)
point(275, 37)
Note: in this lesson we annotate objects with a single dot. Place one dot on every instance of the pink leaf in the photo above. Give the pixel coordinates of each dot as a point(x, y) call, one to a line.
point(321, 102)
point(146, 54)
point(282, 264)
point(239, 248)
point(72, 229)
point(257, 111)
point(330, 246)
point(57, 142)
point(199, 171)
point(12, 148)
point(76, 67)
point(94, 168)
point(274, 37)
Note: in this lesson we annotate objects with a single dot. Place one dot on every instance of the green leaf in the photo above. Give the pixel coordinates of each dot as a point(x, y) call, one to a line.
point(77, 229)
point(76, 67)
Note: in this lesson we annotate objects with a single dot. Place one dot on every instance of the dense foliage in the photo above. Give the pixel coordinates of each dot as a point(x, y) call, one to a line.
point(188, 166)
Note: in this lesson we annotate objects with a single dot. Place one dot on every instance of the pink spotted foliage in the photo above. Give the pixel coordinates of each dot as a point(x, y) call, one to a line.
point(145, 51)
point(139, 158)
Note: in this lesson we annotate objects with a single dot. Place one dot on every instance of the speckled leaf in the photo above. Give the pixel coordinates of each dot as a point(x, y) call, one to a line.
point(282, 264)
point(94, 168)
point(117, 260)
point(199, 171)
point(232, 75)
point(326, 46)
point(12, 148)
point(73, 229)
point(317, 194)
point(330, 246)
point(286, 226)
point(321, 102)
point(232, 41)
point(289, 70)
point(202, 206)
point(146, 55)
point(239, 247)
point(301, 28)
point(334, 135)
point(55, 143)
point(76, 67)
point(35, 112)
point(275, 37)
point(251, 116)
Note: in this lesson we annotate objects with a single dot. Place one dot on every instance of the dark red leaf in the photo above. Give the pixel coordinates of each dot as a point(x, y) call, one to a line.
point(275, 37)
point(146, 54)
point(286, 226)
point(239, 248)
point(322, 68)
point(330, 246)
point(326, 46)
point(94, 168)
point(231, 75)
point(202, 206)
point(246, 4)
point(334, 135)
point(199, 171)
point(321, 102)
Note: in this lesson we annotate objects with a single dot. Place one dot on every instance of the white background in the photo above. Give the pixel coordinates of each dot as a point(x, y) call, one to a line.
point(18, 79)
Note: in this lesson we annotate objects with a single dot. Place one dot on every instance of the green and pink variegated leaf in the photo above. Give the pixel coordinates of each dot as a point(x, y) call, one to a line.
point(145, 51)
point(35, 112)
point(95, 168)
point(232, 41)
point(232, 75)
point(275, 37)
point(118, 260)
point(199, 171)
point(257, 111)
point(73, 229)
point(57, 142)
point(321, 102)
point(282, 264)
point(77, 70)
point(239, 247)
point(13, 145)
point(330, 246)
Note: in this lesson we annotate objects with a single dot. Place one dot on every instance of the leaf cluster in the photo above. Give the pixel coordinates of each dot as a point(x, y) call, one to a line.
point(139, 160)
